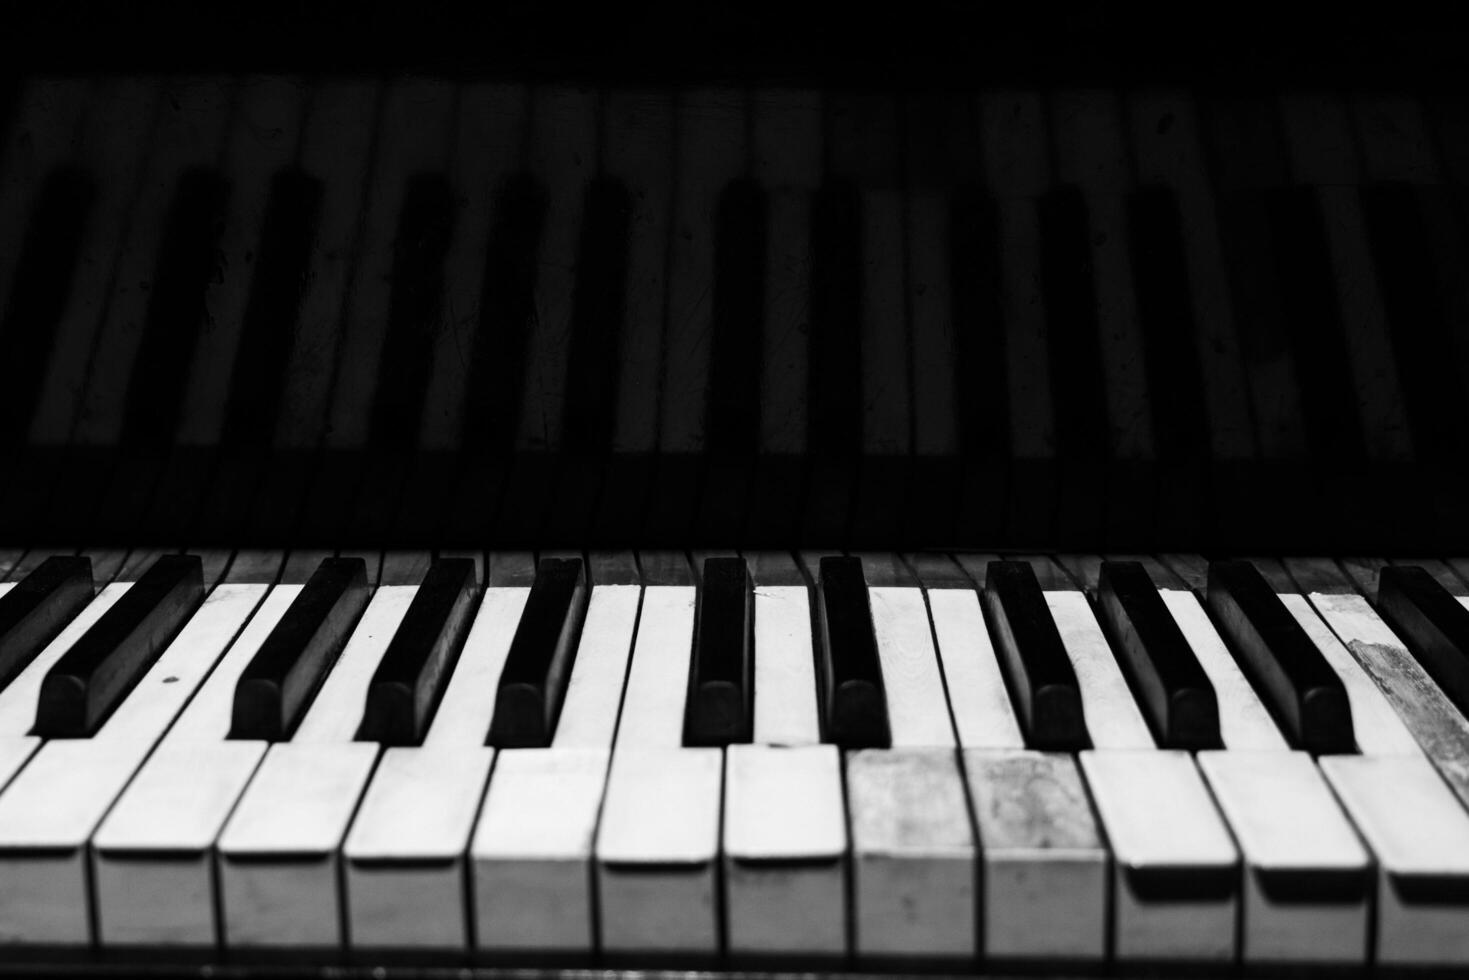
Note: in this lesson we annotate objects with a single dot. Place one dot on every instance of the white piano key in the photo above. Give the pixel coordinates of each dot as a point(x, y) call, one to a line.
point(152, 859)
point(657, 682)
point(532, 852)
point(159, 836)
point(785, 667)
point(1175, 879)
point(1244, 722)
point(1306, 895)
point(1045, 869)
point(1440, 730)
point(1112, 717)
point(279, 853)
point(784, 846)
point(918, 714)
point(658, 853)
point(51, 808)
point(1378, 729)
point(594, 693)
point(913, 856)
point(404, 858)
point(1419, 836)
point(464, 713)
point(336, 712)
point(983, 714)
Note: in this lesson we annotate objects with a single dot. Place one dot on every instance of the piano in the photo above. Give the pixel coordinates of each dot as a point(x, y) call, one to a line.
point(831, 500)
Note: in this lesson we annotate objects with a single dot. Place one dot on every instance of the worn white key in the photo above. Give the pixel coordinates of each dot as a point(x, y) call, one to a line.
point(658, 853)
point(918, 713)
point(785, 844)
point(279, 853)
point(1045, 869)
point(589, 712)
point(49, 811)
point(1419, 835)
point(1112, 716)
point(913, 856)
point(464, 712)
point(1175, 879)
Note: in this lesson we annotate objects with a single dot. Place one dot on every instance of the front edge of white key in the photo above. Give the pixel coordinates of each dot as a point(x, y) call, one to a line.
point(785, 847)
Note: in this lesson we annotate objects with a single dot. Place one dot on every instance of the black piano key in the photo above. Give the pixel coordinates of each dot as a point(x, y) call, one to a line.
point(188, 261)
point(851, 685)
point(1078, 389)
point(1434, 624)
point(597, 315)
point(721, 702)
point(1313, 323)
point(507, 311)
point(981, 385)
point(278, 684)
point(1172, 688)
point(415, 309)
point(258, 379)
point(541, 655)
point(1423, 334)
point(91, 679)
point(40, 292)
point(1042, 681)
point(39, 607)
point(834, 403)
point(1165, 313)
point(411, 677)
point(732, 411)
point(1292, 676)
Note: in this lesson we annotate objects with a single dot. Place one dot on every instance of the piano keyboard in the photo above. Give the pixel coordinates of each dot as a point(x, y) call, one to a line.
point(270, 310)
point(954, 760)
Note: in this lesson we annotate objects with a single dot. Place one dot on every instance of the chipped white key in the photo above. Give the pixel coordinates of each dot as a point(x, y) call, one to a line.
point(658, 853)
point(1175, 866)
point(785, 844)
point(1045, 869)
point(913, 856)
point(918, 714)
